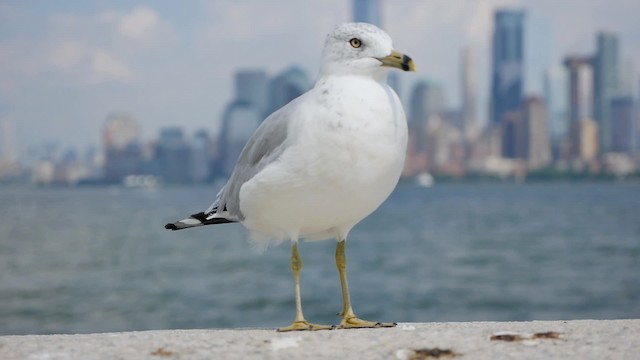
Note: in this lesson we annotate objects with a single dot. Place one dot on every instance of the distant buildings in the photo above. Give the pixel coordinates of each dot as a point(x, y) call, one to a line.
point(623, 116)
point(121, 147)
point(507, 64)
point(607, 68)
point(252, 89)
point(581, 102)
point(239, 121)
point(537, 146)
point(588, 121)
point(555, 96)
point(287, 86)
point(469, 94)
point(257, 97)
point(427, 99)
point(172, 155)
point(367, 11)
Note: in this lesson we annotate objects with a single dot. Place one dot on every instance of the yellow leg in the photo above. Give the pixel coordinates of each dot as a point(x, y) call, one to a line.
point(349, 318)
point(299, 323)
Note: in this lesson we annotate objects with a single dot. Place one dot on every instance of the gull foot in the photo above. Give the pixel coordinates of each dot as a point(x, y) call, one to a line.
point(355, 323)
point(304, 326)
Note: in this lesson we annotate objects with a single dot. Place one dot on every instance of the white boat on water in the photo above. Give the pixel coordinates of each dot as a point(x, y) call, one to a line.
point(425, 180)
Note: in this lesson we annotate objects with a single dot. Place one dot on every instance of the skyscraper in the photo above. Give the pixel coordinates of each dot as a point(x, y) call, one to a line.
point(555, 95)
point(507, 63)
point(200, 157)
point(367, 11)
point(252, 87)
point(580, 88)
point(537, 146)
point(287, 86)
point(607, 69)
point(427, 99)
point(622, 115)
point(122, 151)
point(469, 114)
point(239, 122)
point(580, 73)
point(7, 142)
point(513, 135)
point(173, 156)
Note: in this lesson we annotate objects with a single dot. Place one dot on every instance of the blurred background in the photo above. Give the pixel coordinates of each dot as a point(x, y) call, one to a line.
point(519, 200)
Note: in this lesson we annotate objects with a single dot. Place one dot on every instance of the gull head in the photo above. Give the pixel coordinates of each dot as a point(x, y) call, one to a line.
point(361, 48)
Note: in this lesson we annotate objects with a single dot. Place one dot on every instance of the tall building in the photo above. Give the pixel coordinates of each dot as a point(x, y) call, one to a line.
point(123, 155)
point(200, 157)
point(367, 11)
point(555, 96)
point(606, 64)
point(427, 99)
point(469, 97)
point(173, 156)
point(239, 122)
point(252, 87)
point(287, 86)
point(587, 140)
point(537, 146)
point(580, 72)
point(513, 135)
point(7, 142)
point(622, 115)
point(507, 64)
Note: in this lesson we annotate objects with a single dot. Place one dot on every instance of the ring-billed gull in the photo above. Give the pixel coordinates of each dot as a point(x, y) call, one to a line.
point(319, 165)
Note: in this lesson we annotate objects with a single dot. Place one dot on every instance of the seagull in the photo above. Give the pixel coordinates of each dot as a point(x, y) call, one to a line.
point(320, 164)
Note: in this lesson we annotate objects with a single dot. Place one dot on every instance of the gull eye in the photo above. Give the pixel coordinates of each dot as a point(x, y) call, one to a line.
point(355, 43)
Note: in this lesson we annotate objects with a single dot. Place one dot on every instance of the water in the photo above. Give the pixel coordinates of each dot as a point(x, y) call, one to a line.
point(98, 259)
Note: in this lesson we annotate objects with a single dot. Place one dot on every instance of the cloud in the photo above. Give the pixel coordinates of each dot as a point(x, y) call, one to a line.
point(107, 67)
point(66, 55)
point(87, 63)
point(140, 23)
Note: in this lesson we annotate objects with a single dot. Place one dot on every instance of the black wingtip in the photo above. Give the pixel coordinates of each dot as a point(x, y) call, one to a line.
point(171, 227)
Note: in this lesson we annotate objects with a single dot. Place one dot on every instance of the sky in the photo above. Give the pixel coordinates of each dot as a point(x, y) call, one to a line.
point(66, 65)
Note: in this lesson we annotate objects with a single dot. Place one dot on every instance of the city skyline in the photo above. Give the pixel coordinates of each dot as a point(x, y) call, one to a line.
point(81, 84)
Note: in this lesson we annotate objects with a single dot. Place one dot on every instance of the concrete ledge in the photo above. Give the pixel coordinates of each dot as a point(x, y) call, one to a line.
point(580, 339)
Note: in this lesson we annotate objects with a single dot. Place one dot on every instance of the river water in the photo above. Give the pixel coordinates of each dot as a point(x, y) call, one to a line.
point(98, 259)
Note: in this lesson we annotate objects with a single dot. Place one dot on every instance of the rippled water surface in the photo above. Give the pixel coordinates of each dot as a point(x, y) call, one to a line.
point(98, 259)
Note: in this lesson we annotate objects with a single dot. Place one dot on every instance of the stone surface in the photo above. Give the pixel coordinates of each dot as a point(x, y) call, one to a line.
point(579, 339)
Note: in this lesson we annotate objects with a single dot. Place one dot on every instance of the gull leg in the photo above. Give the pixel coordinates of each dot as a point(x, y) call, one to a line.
point(349, 318)
point(299, 323)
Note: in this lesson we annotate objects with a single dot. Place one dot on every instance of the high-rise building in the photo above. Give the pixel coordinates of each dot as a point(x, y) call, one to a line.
point(367, 11)
point(580, 72)
point(252, 87)
point(173, 156)
point(507, 64)
point(200, 157)
point(239, 122)
point(427, 99)
point(622, 115)
point(7, 142)
point(287, 86)
point(587, 140)
point(469, 102)
point(122, 151)
point(555, 96)
point(537, 146)
point(513, 135)
point(606, 64)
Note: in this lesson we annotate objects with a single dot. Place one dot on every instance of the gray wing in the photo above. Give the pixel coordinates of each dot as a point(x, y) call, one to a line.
point(264, 147)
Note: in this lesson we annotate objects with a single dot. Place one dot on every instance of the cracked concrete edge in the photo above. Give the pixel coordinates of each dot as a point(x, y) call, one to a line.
point(582, 339)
